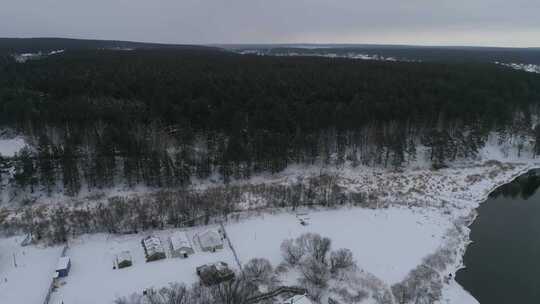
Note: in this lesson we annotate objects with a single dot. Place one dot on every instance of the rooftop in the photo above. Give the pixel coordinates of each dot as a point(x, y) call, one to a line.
point(215, 273)
point(153, 245)
point(63, 263)
point(210, 238)
point(298, 299)
point(124, 256)
point(180, 240)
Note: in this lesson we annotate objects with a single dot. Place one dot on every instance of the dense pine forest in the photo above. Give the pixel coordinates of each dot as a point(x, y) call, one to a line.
point(163, 116)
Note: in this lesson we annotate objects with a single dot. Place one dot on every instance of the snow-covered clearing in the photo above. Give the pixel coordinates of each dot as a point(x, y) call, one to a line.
point(527, 67)
point(8, 147)
point(388, 243)
point(28, 281)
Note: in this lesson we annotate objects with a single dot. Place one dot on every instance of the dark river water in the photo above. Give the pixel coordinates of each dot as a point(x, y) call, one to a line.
point(503, 263)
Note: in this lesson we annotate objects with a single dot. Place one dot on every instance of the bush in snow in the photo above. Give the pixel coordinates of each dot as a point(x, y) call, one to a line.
point(282, 268)
point(259, 271)
point(174, 294)
point(341, 259)
point(314, 272)
point(352, 296)
point(315, 245)
point(308, 244)
point(440, 259)
point(232, 292)
point(291, 252)
point(357, 282)
point(422, 285)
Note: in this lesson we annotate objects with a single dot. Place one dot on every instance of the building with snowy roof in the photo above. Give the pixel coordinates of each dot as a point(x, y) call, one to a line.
point(153, 248)
point(63, 267)
point(215, 273)
point(298, 299)
point(123, 259)
point(210, 240)
point(180, 245)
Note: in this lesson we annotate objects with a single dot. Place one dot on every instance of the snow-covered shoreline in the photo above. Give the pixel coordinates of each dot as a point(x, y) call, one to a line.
point(454, 292)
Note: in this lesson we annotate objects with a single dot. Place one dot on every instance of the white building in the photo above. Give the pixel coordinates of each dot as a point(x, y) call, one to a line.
point(210, 240)
point(180, 245)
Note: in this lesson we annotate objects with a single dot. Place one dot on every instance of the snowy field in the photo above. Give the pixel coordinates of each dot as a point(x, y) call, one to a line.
point(8, 147)
point(388, 243)
point(28, 282)
point(92, 278)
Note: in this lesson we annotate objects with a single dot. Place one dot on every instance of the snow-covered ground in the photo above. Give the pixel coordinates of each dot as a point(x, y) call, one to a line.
point(454, 193)
point(25, 272)
point(418, 207)
point(388, 243)
point(24, 57)
point(8, 147)
point(92, 278)
point(527, 67)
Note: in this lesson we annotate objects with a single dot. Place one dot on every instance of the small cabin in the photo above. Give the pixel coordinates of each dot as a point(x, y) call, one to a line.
point(210, 240)
point(123, 259)
point(153, 248)
point(63, 267)
point(180, 245)
point(216, 273)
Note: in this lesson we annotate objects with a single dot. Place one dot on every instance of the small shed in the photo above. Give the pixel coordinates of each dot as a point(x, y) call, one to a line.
point(210, 240)
point(63, 267)
point(180, 245)
point(123, 259)
point(216, 273)
point(153, 248)
point(298, 299)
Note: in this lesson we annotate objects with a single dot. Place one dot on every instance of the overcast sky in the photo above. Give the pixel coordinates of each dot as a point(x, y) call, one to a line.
point(427, 22)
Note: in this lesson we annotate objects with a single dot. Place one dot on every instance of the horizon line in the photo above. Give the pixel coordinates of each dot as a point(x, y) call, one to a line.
point(345, 44)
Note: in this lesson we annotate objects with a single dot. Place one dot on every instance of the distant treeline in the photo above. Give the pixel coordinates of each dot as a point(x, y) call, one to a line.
point(161, 117)
point(461, 54)
point(9, 46)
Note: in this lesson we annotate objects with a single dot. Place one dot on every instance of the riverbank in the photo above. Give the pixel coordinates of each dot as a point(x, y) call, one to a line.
point(453, 292)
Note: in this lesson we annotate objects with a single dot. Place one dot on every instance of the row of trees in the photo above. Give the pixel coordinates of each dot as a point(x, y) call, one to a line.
point(172, 208)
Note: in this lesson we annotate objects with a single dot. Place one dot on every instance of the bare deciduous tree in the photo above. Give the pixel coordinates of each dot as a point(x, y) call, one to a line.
point(315, 245)
point(314, 272)
point(237, 291)
point(259, 271)
point(341, 259)
point(291, 252)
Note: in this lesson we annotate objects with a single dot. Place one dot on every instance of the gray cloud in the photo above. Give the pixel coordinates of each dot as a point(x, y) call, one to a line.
point(471, 22)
